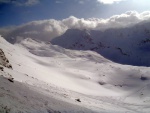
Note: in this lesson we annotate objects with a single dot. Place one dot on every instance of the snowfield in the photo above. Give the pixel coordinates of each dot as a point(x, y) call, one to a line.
point(51, 79)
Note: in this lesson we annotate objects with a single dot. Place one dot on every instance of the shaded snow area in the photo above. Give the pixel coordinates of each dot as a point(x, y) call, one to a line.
point(45, 78)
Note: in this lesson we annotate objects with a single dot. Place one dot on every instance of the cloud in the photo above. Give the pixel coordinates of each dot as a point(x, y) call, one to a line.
point(58, 2)
point(109, 1)
point(48, 29)
point(20, 2)
point(31, 2)
point(81, 2)
point(5, 1)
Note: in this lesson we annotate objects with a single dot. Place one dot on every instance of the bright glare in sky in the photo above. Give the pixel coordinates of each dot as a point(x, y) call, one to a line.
point(109, 1)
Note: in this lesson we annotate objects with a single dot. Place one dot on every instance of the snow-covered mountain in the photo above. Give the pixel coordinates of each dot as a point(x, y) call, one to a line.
point(129, 45)
point(47, 78)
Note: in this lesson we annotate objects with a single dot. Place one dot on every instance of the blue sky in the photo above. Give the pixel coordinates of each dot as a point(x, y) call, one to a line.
point(16, 12)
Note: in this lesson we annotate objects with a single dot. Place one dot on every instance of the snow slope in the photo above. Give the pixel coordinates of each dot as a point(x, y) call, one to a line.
point(49, 78)
point(129, 45)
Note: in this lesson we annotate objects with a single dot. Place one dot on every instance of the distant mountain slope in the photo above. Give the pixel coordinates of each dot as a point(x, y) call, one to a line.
point(125, 45)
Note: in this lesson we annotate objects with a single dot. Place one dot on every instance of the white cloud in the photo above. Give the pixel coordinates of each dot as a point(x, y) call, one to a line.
point(109, 1)
point(81, 2)
point(4, 1)
point(48, 29)
point(31, 2)
point(58, 2)
point(19, 2)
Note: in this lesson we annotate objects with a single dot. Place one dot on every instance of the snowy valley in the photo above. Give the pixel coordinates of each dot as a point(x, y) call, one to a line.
point(39, 77)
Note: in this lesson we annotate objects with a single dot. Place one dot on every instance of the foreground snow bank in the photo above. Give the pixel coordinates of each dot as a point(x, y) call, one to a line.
point(18, 97)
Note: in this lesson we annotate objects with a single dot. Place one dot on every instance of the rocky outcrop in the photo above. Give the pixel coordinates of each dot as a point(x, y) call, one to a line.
point(4, 61)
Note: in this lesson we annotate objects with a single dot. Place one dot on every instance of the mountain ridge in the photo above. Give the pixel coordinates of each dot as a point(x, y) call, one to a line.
point(125, 45)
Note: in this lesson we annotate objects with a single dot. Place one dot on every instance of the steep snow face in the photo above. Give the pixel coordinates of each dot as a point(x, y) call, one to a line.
point(126, 46)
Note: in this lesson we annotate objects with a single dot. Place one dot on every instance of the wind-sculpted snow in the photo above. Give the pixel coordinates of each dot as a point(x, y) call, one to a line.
point(43, 49)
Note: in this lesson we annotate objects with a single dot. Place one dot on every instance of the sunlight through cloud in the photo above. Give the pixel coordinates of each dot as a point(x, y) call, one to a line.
point(109, 1)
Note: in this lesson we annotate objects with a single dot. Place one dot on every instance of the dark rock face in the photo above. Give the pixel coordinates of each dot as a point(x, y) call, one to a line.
point(78, 100)
point(11, 79)
point(144, 78)
point(1, 68)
